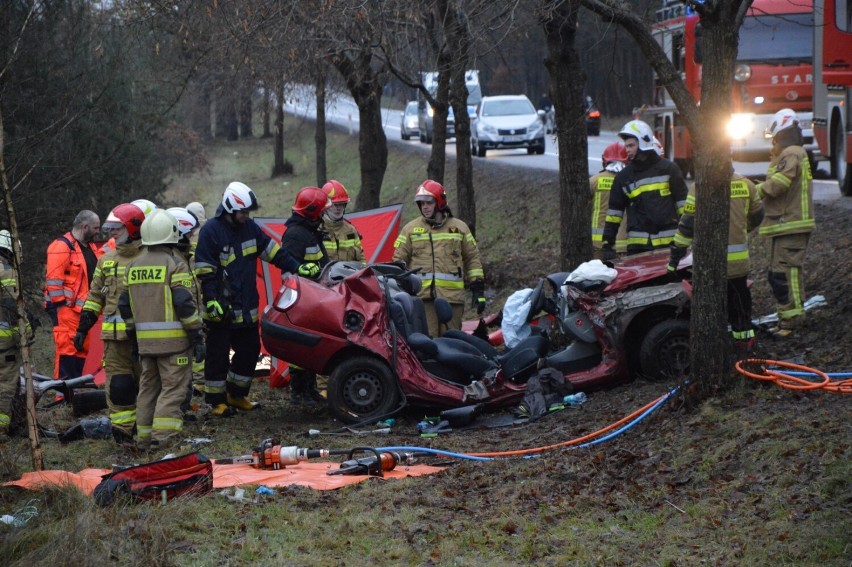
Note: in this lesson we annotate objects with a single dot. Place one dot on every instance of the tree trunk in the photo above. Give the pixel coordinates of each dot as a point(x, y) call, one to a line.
point(365, 86)
point(319, 133)
point(438, 155)
point(459, 40)
point(709, 337)
point(32, 423)
point(567, 80)
point(267, 112)
point(280, 165)
point(246, 122)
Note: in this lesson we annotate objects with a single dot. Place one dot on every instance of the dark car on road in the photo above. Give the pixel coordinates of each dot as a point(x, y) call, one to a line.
point(593, 117)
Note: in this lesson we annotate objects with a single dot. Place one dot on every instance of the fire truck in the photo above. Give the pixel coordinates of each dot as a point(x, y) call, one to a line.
point(832, 82)
point(774, 70)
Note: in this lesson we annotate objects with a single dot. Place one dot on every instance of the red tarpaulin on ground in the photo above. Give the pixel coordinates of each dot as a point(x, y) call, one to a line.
point(378, 228)
point(309, 474)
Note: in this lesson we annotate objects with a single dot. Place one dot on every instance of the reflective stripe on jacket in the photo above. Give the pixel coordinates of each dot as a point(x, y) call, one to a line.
point(107, 285)
point(159, 295)
point(600, 185)
point(447, 256)
point(342, 241)
point(745, 209)
point(652, 189)
point(226, 264)
point(66, 278)
point(787, 193)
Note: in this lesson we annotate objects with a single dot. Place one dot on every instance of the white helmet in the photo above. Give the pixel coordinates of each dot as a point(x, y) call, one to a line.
point(160, 227)
point(783, 119)
point(238, 197)
point(6, 240)
point(641, 131)
point(147, 206)
point(186, 220)
point(197, 209)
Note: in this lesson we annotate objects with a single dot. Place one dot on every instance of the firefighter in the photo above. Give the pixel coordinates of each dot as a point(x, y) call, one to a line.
point(746, 214)
point(162, 318)
point(11, 403)
point(446, 253)
point(71, 261)
point(187, 228)
point(787, 197)
point(650, 189)
point(196, 209)
point(122, 368)
point(225, 264)
point(303, 240)
point(341, 239)
point(614, 158)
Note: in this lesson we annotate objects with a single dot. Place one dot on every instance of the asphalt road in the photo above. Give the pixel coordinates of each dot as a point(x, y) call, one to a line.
point(344, 112)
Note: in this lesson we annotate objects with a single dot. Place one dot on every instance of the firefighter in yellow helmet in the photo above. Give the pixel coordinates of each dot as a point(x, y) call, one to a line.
point(341, 239)
point(446, 253)
point(161, 315)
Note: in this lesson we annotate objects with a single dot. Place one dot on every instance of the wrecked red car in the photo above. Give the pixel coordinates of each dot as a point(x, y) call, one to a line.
point(365, 329)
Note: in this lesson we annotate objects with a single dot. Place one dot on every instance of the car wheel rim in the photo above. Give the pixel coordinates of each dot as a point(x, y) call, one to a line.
point(674, 355)
point(363, 391)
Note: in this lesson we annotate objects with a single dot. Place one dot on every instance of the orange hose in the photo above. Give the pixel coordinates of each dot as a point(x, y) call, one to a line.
point(536, 450)
point(792, 382)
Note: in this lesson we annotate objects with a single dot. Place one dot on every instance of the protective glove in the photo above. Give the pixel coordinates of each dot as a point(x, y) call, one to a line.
point(215, 313)
point(607, 253)
point(79, 341)
point(676, 255)
point(477, 293)
point(309, 270)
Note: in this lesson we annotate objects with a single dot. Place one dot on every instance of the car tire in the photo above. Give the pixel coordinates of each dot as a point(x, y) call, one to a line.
point(403, 135)
point(478, 150)
point(664, 353)
point(362, 388)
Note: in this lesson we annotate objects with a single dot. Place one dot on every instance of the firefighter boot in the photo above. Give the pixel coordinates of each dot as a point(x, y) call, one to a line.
point(223, 410)
point(310, 392)
point(297, 380)
point(242, 403)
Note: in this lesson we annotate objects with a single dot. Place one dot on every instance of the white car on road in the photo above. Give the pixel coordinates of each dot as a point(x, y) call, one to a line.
point(507, 122)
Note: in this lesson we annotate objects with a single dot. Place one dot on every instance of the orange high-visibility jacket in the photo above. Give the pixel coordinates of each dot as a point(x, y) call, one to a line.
point(67, 281)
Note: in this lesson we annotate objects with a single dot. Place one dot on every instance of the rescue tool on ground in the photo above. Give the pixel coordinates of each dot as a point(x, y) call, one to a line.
point(374, 465)
point(271, 455)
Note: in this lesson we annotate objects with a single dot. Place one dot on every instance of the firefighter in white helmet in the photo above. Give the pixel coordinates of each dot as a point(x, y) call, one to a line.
point(787, 197)
point(653, 190)
point(161, 316)
point(229, 246)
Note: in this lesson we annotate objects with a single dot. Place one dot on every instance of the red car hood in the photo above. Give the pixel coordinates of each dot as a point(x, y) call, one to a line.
point(643, 268)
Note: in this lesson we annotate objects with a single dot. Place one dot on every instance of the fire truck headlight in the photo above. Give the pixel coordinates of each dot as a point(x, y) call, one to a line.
point(758, 100)
point(742, 73)
point(740, 126)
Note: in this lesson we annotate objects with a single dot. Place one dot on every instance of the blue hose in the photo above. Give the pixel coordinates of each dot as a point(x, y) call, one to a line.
point(829, 374)
point(625, 427)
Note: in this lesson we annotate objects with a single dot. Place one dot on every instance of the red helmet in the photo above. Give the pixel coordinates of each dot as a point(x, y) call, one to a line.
point(432, 190)
point(614, 152)
point(128, 215)
point(311, 202)
point(336, 192)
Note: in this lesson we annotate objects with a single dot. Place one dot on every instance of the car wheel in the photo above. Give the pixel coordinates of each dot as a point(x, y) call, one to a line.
point(362, 388)
point(403, 135)
point(479, 151)
point(664, 353)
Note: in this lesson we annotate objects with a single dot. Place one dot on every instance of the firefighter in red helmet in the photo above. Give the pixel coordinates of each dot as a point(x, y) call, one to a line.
point(614, 158)
point(120, 364)
point(303, 240)
point(444, 249)
point(341, 239)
